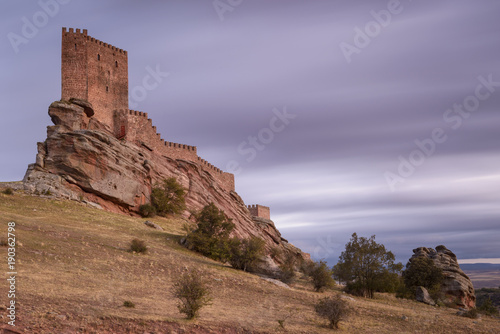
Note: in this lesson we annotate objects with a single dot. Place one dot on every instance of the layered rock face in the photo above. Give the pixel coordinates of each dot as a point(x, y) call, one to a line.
point(82, 160)
point(457, 289)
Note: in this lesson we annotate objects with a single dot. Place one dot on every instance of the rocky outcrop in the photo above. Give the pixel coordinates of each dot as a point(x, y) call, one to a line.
point(456, 289)
point(82, 160)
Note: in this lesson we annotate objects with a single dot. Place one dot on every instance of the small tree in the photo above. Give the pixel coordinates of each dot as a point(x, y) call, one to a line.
point(366, 266)
point(422, 271)
point(488, 308)
point(334, 309)
point(211, 237)
point(168, 198)
point(192, 292)
point(321, 276)
point(244, 254)
point(287, 269)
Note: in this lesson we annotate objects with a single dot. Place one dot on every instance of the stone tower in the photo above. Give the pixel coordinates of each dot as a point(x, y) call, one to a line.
point(94, 71)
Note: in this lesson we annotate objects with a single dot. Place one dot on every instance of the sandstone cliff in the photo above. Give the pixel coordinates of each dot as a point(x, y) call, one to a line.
point(457, 289)
point(82, 160)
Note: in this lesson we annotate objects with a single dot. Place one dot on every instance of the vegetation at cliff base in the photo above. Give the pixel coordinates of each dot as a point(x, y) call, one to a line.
point(211, 237)
point(244, 254)
point(321, 276)
point(168, 197)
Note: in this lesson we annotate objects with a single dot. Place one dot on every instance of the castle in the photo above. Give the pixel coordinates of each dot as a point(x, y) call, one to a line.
point(97, 72)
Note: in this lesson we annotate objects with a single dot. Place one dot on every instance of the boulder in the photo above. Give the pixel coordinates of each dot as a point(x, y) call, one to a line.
point(153, 225)
point(422, 295)
point(457, 289)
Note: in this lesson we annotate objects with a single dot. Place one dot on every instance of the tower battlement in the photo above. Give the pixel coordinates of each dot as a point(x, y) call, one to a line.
point(94, 71)
point(260, 211)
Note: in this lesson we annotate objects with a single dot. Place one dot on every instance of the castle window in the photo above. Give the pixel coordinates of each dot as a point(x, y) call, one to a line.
point(98, 57)
point(75, 47)
point(116, 63)
point(107, 89)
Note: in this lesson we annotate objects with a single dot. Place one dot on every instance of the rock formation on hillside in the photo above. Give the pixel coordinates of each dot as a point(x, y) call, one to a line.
point(82, 160)
point(457, 289)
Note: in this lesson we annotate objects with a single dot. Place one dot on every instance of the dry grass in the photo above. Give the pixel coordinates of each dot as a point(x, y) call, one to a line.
point(75, 273)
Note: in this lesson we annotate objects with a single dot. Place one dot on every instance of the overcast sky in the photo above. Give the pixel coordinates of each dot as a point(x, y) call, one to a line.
point(375, 117)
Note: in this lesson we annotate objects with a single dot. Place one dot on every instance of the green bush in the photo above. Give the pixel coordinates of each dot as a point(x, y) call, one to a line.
point(321, 276)
point(472, 313)
point(421, 271)
point(192, 292)
point(307, 267)
point(244, 254)
point(8, 191)
point(138, 246)
point(334, 309)
point(147, 211)
point(128, 304)
point(168, 198)
point(287, 269)
point(488, 308)
point(211, 236)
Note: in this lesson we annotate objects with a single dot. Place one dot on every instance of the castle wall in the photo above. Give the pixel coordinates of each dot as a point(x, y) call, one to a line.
point(141, 131)
point(260, 211)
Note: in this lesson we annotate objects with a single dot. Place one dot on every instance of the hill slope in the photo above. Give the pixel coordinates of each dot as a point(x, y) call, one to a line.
point(74, 273)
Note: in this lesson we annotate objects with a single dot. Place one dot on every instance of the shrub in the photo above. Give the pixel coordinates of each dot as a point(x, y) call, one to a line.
point(128, 304)
point(211, 237)
point(422, 271)
point(488, 308)
point(322, 276)
point(472, 313)
point(147, 211)
point(275, 253)
point(3, 243)
point(334, 309)
point(138, 246)
point(168, 198)
point(307, 267)
point(8, 191)
point(287, 269)
point(244, 254)
point(192, 293)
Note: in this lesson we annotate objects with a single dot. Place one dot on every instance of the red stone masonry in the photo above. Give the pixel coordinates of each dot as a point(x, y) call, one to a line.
point(260, 211)
point(98, 72)
point(94, 71)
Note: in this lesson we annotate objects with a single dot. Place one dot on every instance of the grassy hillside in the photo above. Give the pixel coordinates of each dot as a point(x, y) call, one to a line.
point(74, 273)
